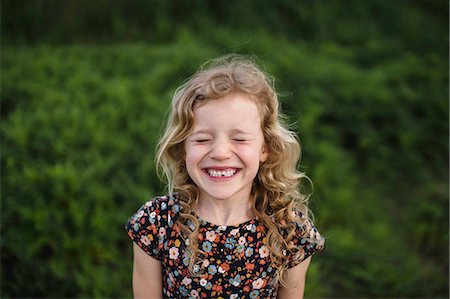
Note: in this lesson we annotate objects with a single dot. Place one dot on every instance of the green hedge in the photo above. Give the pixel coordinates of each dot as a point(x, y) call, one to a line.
point(79, 126)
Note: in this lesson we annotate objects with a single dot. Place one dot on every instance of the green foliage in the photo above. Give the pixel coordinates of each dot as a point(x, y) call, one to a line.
point(368, 96)
point(79, 129)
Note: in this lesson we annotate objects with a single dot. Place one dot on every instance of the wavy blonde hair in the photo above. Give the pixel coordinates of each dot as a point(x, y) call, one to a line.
point(277, 201)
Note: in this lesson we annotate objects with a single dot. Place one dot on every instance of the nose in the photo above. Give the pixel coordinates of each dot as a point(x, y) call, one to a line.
point(220, 149)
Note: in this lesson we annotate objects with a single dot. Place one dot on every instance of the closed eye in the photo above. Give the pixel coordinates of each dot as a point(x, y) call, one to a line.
point(202, 140)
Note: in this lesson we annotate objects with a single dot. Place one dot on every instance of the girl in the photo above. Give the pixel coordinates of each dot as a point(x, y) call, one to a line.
point(235, 224)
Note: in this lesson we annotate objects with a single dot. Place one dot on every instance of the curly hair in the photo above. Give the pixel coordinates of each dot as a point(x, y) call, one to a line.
point(276, 197)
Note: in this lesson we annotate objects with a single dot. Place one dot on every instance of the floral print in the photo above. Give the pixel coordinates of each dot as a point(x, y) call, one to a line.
point(237, 263)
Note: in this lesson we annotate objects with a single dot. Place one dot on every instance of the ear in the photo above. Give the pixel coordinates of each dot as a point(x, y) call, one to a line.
point(264, 153)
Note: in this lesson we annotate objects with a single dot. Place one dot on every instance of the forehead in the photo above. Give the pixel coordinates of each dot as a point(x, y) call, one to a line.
point(235, 109)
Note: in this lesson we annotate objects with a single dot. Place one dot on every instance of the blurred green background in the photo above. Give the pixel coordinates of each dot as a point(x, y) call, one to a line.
point(85, 86)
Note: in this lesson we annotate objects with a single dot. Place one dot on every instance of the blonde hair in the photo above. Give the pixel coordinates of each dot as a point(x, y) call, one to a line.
point(277, 201)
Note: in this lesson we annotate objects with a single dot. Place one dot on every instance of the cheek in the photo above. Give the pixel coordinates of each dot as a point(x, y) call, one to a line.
point(189, 158)
point(251, 157)
point(190, 167)
point(192, 157)
point(257, 154)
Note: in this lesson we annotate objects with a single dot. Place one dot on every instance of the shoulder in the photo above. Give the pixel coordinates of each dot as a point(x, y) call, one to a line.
point(151, 223)
point(306, 240)
point(307, 229)
point(160, 209)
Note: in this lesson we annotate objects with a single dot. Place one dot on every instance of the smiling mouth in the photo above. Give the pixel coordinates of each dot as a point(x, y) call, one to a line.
point(226, 173)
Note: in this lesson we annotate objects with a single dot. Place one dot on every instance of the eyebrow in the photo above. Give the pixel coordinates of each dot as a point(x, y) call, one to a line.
point(234, 131)
point(239, 131)
point(202, 131)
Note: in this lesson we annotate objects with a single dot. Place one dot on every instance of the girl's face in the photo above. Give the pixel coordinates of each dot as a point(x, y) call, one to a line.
point(226, 146)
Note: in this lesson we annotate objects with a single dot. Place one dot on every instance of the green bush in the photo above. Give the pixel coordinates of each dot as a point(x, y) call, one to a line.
point(80, 123)
point(79, 129)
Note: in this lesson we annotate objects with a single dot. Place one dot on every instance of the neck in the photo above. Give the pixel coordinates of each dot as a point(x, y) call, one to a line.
point(224, 212)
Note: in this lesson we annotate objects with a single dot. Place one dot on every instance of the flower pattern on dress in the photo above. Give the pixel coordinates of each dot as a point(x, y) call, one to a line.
point(238, 261)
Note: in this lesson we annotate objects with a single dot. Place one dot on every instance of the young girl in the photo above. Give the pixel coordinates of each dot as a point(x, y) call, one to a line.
point(235, 224)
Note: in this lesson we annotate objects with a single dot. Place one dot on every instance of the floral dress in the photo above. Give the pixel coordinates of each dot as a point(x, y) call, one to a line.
point(237, 263)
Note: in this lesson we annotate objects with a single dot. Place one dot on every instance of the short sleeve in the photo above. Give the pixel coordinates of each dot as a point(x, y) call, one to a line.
point(148, 226)
point(308, 240)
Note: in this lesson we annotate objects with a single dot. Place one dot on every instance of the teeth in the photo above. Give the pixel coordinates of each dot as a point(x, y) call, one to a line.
point(224, 173)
